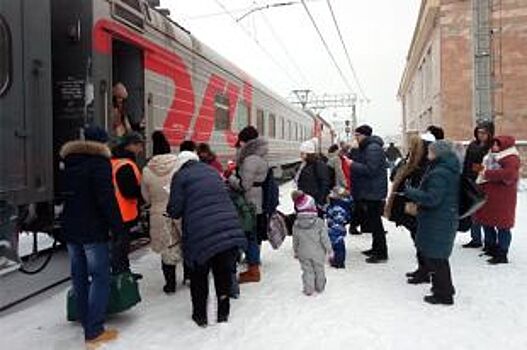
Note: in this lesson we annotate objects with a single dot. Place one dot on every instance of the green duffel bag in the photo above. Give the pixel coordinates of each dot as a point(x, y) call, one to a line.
point(124, 294)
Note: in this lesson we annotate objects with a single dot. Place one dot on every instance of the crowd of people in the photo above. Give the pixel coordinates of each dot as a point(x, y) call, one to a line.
point(194, 220)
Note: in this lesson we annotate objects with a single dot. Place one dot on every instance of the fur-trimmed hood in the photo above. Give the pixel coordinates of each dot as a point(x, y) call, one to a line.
point(88, 148)
point(259, 147)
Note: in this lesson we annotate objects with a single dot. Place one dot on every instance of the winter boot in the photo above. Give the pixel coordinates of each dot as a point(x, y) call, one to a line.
point(103, 338)
point(419, 278)
point(377, 259)
point(224, 308)
point(200, 321)
point(169, 271)
point(499, 258)
point(489, 250)
point(252, 275)
point(472, 244)
point(354, 231)
point(368, 252)
point(437, 300)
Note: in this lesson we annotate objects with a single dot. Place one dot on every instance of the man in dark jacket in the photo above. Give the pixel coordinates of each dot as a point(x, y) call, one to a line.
point(476, 151)
point(370, 188)
point(90, 212)
point(127, 181)
point(212, 234)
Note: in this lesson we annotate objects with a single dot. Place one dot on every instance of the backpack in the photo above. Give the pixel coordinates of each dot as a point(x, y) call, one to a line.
point(277, 229)
point(246, 211)
point(270, 194)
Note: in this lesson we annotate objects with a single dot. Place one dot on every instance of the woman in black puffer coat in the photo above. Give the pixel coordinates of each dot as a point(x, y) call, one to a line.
point(212, 234)
point(313, 176)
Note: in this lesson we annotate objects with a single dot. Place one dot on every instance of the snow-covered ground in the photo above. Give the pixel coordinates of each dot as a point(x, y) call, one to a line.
point(364, 307)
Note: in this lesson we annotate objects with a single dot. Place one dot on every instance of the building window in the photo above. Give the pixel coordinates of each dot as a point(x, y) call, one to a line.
point(272, 126)
point(5, 56)
point(260, 121)
point(243, 115)
point(221, 115)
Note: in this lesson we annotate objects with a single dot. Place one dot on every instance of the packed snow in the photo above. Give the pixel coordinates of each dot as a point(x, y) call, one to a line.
point(364, 306)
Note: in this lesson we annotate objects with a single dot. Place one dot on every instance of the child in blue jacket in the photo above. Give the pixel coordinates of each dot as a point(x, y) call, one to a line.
point(338, 215)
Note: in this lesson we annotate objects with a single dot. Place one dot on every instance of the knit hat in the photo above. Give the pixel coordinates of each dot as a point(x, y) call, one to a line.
point(365, 130)
point(428, 137)
point(95, 133)
point(442, 148)
point(247, 134)
point(437, 131)
point(132, 138)
point(304, 203)
point(308, 147)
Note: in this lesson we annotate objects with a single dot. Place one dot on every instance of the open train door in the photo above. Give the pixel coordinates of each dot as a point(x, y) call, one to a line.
point(25, 101)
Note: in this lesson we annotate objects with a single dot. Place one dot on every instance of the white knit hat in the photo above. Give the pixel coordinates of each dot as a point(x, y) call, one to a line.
point(305, 204)
point(428, 137)
point(308, 147)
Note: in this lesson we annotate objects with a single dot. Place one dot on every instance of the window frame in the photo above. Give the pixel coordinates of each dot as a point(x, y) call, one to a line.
point(222, 105)
point(243, 106)
point(272, 126)
point(5, 81)
point(260, 121)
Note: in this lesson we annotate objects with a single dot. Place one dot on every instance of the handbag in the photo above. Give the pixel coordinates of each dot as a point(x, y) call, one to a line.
point(471, 197)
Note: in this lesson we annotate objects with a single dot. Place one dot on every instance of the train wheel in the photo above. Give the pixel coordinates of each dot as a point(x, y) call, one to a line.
point(36, 250)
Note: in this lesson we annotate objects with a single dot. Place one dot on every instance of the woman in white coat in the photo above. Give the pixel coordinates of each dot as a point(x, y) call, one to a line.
point(164, 232)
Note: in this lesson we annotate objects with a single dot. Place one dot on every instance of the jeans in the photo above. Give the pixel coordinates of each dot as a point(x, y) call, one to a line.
point(221, 266)
point(475, 232)
point(90, 275)
point(500, 237)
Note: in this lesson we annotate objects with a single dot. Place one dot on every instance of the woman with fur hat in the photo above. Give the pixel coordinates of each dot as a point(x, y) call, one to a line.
point(311, 243)
point(499, 180)
point(399, 209)
point(251, 172)
point(437, 218)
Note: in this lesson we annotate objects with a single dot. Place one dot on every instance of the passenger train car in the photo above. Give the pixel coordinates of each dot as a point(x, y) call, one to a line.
point(60, 58)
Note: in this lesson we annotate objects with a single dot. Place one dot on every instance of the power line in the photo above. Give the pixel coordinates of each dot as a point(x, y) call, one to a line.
point(342, 76)
point(355, 76)
point(271, 57)
point(284, 48)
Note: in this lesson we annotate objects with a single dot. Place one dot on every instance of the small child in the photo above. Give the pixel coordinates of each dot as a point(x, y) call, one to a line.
point(310, 243)
point(338, 215)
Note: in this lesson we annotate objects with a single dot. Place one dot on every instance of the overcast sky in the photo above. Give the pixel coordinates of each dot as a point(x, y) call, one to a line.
point(376, 32)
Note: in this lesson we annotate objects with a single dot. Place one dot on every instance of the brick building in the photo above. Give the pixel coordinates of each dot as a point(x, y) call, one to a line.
point(437, 86)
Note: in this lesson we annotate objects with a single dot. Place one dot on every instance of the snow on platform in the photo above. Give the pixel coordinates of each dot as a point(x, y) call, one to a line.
point(364, 307)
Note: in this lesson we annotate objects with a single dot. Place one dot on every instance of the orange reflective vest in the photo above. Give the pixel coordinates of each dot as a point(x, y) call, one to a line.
point(128, 206)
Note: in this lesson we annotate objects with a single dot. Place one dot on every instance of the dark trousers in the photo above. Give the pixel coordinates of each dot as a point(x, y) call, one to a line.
point(221, 266)
point(119, 251)
point(421, 265)
point(372, 222)
point(441, 277)
point(90, 276)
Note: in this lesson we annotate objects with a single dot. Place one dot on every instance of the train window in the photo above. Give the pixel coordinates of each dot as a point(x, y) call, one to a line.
point(260, 121)
point(296, 131)
point(243, 115)
point(289, 131)
point(272, 126)
point(5, 56)
point(221, 114)
point(280, 128)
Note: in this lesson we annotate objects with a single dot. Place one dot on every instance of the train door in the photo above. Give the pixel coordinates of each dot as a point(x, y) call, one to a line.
point(25, 101)
point(128, 69)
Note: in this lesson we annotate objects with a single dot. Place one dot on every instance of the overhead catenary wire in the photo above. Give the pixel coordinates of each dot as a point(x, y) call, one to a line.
point(284, 48)
point(353, 71)
point(326, 46)
point(264, 50)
